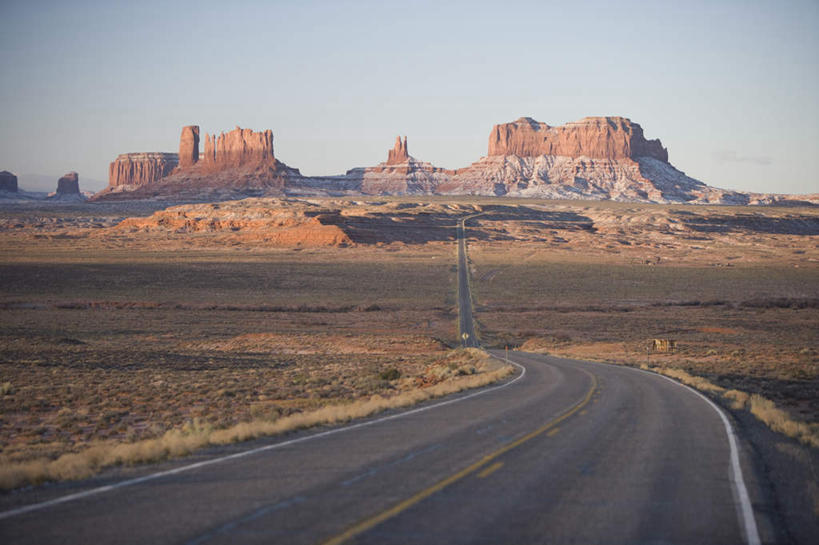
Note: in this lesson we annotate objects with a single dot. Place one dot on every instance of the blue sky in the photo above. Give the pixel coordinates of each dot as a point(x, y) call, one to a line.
point(729, 87)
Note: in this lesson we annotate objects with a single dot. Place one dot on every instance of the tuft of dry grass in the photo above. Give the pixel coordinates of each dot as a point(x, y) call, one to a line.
point(737, 399)
point(196, 434)
point(691, 380)
point(778, 420)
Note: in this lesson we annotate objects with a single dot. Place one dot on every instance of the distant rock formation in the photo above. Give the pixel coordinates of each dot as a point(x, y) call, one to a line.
point(189, 146)
point(401, 174)
point(600, 158)
point(69, 184)
point(592, 137)
point(232, 164)
point(399, 153)
point(131, 170)
point(8, 182)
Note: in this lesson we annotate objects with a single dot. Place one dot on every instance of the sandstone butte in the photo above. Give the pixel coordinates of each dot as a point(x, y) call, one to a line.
point(592, 137)
point(69, 184)
point(8, 182)
point(236, 160)
point(399, 161)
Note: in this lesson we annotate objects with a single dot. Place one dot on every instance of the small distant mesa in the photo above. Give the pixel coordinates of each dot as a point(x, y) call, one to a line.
point(8, 182)
point(69, 184)
point(68, 189)
point(600, 158)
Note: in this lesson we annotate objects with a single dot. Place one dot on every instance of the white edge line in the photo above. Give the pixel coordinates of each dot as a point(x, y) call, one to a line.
point(204, 463)
point(746, 511)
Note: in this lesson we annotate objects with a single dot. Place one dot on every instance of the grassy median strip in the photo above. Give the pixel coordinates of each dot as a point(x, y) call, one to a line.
point(477, 368)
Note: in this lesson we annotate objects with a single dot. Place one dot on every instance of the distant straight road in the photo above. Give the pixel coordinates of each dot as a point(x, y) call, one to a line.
point(466, 327)
point(564, 452)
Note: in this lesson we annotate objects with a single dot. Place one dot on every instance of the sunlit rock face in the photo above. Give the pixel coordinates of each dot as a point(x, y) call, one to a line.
point(592, 137)
point(189, 146)
point(139, 169)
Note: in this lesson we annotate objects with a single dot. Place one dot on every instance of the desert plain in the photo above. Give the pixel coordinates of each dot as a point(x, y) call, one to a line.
point(124, 322)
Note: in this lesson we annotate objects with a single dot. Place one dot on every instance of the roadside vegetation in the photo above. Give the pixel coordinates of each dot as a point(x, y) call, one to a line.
point(458, 370)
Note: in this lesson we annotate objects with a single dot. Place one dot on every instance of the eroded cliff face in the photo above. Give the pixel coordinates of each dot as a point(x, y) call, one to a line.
point(140, 169)
point(592, 137)
point(237, 148)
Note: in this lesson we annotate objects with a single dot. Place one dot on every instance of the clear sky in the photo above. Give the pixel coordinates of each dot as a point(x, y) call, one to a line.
point(731, 88)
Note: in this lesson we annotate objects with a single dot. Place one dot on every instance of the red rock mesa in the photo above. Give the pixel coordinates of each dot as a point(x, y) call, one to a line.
point(592, 137)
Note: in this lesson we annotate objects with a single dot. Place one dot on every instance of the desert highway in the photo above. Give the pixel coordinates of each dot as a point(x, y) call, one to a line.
point(562, 452)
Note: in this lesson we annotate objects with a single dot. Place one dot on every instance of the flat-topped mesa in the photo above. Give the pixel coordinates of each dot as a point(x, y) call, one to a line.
point(138, 169)
point(238, 147)
point(593, 137)
point(399, 153)
point(189, 146)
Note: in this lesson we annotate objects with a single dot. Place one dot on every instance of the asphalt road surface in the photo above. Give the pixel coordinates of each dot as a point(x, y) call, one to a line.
point(466, 327)
point(563, 452)
point(570, 452)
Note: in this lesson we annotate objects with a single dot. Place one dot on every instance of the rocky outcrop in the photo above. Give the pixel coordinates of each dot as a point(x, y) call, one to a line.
point(399, 152)
point(69, 184)
point(131, 170)
point(592, 137)
point(8, 182)
point(266, 222)
point(189, 146)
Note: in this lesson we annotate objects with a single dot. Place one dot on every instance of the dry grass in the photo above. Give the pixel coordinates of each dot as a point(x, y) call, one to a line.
point(737, 399)
point(465, 369)
point(779, 421)
point(691, 380)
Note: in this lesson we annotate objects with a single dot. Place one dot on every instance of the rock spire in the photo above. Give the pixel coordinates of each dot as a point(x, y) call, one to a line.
point(399, 153)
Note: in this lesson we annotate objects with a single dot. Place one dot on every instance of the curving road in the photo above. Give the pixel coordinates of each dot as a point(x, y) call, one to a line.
point(564, 452)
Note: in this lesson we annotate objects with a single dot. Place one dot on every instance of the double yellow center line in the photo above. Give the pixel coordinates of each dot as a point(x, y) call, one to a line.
point(369, 523)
